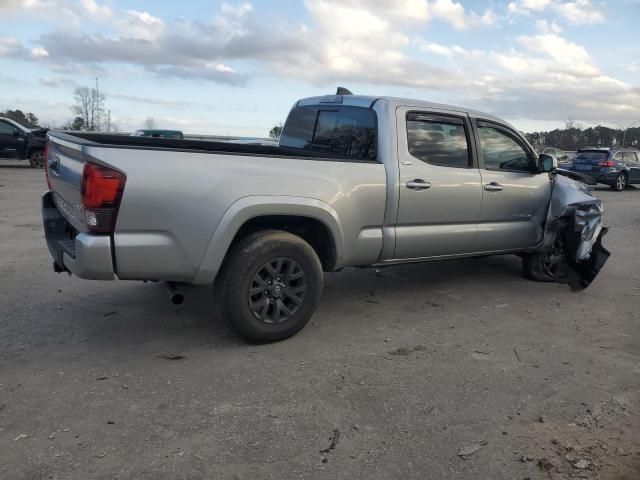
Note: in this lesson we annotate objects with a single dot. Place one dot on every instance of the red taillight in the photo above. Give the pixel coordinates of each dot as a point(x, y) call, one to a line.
point(102, 189)
point(46, 164)
point(101, 186)
point(608, 163)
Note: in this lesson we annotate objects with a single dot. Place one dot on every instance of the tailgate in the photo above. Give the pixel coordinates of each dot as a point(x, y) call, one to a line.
point(64, 166)
point(586, 165)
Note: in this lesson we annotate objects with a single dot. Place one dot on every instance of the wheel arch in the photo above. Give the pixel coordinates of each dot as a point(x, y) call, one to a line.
point(33, 148)
point(313, 220)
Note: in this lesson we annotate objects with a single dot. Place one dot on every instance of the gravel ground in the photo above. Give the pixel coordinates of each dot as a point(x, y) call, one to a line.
point(451, 370)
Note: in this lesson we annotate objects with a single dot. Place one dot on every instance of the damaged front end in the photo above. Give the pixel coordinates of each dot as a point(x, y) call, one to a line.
point(574, 232)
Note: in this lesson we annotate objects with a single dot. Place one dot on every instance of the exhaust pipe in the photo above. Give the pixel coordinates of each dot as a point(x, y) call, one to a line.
point(175, 294)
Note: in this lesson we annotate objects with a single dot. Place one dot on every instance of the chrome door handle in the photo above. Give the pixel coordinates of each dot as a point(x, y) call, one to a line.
point(493, 187)
point(418, 184)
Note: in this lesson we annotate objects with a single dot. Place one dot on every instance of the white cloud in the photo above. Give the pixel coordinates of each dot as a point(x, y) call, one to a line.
point(580, 12)
point(94, 9)
point(556, 47)
point(543, 26)
point(535, 4)
point(38, 53)
point(455, 14)
point(10, 47)
point(239, 10)
point(453, 51)
point(140, 25)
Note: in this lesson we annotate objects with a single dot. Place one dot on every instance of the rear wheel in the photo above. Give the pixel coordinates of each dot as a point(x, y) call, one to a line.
point(36, 159)
point(620, 183)
point(269, 286)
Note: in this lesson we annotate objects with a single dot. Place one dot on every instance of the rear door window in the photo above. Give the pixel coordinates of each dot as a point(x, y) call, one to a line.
point(6, 128)
point(342, 131)
point(438, 140)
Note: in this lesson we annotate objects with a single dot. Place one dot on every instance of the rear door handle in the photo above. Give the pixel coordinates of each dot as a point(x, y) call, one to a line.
point(493, 187)
point(418, 184)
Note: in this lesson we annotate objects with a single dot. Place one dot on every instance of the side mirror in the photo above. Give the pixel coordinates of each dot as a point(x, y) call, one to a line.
point(546, 163)
point(16, 132)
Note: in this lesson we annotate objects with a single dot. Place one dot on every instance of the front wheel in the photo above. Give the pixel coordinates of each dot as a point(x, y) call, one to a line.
point(543, 266)
point(36, 159)
point(620, 183)
point(269, 286)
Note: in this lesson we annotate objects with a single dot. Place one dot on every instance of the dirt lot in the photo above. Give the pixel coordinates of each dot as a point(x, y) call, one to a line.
point(455, 370)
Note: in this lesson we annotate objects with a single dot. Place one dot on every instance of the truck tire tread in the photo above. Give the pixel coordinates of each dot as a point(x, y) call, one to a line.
point(241, 264)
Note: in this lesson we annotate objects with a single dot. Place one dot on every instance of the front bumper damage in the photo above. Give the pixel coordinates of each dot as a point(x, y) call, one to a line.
point(575, 221)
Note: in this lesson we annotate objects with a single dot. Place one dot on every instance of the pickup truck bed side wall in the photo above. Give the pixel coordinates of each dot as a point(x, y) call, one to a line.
point(176, 217)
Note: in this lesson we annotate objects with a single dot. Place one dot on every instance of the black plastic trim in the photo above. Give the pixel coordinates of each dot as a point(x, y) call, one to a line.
point(198, 146)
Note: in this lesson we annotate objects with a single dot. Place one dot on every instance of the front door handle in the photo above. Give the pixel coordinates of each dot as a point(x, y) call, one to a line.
point(493, 187)
point(418, 184)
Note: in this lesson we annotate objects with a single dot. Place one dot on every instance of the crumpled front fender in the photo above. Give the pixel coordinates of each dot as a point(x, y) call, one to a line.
point(579, 273)
point(575, 217)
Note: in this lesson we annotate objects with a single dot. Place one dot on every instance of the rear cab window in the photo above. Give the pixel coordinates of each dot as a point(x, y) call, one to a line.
point(336, 131)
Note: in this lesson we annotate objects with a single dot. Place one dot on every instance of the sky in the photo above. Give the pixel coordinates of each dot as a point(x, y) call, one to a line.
point(237, 67)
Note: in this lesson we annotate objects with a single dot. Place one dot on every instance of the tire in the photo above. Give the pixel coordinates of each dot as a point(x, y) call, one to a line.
point(542, 266)
point(36, 159)
point(269, 286)
point(621, 182)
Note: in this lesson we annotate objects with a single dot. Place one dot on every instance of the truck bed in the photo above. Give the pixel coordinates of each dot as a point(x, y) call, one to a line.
point(179, 193)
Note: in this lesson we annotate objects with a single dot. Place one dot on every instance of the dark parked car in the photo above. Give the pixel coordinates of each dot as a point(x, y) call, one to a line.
point(21, 143)
point(159, 134)
point(616, 167)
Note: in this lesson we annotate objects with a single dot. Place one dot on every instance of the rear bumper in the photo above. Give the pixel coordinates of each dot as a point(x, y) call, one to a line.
point(84, 255)
point(608, 177)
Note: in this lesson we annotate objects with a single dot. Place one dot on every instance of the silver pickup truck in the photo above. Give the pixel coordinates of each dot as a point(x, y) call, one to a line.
point(354, 181)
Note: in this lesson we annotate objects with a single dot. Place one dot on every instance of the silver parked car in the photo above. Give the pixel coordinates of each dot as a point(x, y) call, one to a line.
point(354, 181)
point(563, 158)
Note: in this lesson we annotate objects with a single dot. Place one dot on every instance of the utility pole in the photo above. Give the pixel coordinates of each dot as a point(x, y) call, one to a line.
point(108, 121)
point(97, 106)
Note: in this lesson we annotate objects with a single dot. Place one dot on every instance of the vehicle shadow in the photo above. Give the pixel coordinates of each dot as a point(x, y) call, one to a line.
point(136, 313)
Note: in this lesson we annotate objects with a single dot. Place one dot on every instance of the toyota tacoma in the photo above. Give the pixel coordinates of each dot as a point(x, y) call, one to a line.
point(354, 181)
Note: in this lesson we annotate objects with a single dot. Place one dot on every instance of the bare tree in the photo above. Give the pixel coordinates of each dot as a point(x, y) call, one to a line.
point(149, 123)
point(88, 105)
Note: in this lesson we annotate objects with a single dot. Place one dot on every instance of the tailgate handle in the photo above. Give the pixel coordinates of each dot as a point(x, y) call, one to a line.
point(54, 163)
